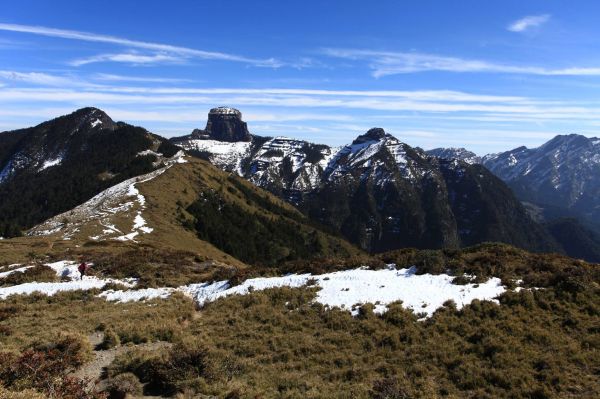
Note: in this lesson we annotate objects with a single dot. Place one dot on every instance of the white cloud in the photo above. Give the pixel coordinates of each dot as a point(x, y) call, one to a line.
point(156, 47)
point(107, 77)
point(384, 63)
point(318, 100)
point(129, 58)
point(528, 22)
point(38, 78)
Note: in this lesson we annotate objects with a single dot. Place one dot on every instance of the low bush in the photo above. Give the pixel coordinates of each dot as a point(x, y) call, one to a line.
point(168, 372)
point(37, 273)
point(122, 385)
point(46, 367)
point(110, 340)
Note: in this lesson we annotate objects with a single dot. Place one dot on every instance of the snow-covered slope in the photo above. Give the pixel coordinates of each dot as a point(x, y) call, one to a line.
point(114, 214)
point(224, 154)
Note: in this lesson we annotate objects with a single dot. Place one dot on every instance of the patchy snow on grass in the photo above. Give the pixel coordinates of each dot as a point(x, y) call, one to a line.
point(18, 270)
point(65, 270)
point(348, 289)
point(121, 199)
point(345, 289)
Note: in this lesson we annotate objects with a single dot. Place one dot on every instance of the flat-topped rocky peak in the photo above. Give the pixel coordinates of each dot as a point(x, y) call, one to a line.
point(225, 111)
point(224, 124)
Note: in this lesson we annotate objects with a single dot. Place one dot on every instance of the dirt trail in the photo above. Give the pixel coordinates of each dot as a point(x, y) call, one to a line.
point(102, 358)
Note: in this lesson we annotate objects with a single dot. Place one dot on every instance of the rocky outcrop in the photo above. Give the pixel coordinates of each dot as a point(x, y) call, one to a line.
point(224, 124)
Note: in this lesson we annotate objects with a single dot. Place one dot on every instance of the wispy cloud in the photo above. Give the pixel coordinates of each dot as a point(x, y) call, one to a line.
point(108, 77)
point(528, 22)
point(37, 78)
point(276, 99)
point(384, 63)
point(137, 44)
point(129, 58)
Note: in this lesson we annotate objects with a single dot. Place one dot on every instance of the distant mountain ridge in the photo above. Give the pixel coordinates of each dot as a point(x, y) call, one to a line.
point(564, 172)
point(559, 182)
point(456, 153)
point(562, 175)
point(379, 192)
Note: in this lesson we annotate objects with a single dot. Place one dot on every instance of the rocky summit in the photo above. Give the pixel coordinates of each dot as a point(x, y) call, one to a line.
point(224, 124)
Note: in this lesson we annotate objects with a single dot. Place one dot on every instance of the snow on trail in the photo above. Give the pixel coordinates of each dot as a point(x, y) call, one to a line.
point(102, 209)
point(65, 270)
point(421, 293)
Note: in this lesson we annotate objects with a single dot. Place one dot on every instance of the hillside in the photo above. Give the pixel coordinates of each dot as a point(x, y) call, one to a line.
point(57, 165)
point(487, 321)
point(557, 182)
point(189, 205)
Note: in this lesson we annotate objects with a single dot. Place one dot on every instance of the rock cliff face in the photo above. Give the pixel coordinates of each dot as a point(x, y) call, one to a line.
point(224, 124)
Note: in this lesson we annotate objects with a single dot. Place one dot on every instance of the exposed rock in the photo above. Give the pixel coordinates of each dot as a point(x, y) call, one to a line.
point(224, 124)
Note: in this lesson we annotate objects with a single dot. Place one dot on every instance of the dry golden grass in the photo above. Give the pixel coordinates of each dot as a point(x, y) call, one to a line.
point(38, 318)
point(279, 344)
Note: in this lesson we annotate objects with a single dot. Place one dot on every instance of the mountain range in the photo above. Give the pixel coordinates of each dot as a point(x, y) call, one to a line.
point(377, 192)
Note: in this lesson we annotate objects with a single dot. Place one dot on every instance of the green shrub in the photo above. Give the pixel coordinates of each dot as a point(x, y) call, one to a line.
point(122, 385)
point(110, 340)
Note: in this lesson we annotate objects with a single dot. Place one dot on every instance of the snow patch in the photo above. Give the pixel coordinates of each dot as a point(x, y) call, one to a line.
point(18, 270)
point(96, 123)
point(65, 270)
point(345, 289)
point(50, 163)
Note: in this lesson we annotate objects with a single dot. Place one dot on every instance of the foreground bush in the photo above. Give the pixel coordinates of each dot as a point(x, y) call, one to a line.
point(46, 367)
point(122, 385)
point(183, 366)
point(110, 340)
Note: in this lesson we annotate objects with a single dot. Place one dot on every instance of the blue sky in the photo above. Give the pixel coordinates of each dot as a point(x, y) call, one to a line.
point(486, 75)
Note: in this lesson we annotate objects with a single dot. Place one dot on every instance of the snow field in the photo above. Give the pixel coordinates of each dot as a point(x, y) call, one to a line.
point(346, 289)
point(421, 293)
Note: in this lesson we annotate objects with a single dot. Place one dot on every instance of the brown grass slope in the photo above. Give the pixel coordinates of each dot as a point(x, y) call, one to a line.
point(168, 196)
